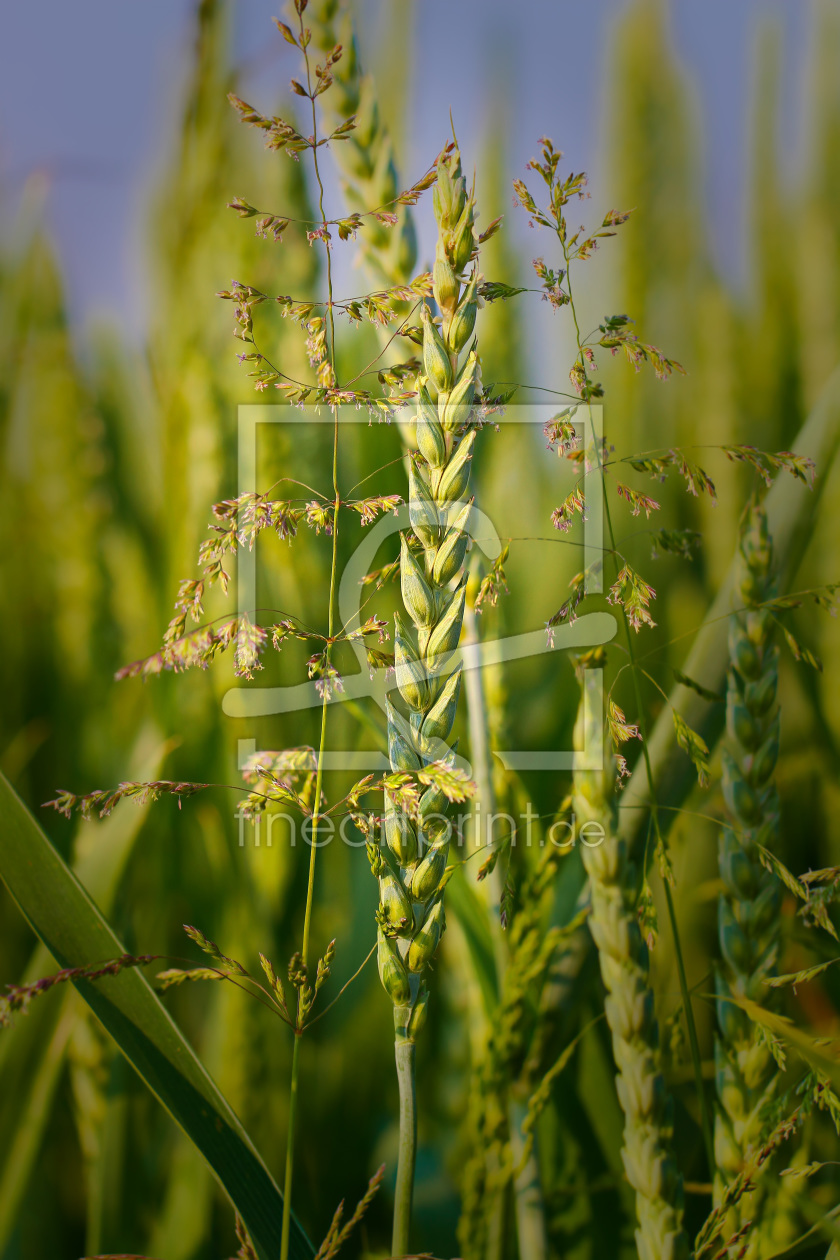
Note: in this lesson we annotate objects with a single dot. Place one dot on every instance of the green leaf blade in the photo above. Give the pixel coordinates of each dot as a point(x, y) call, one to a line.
point(69, 924)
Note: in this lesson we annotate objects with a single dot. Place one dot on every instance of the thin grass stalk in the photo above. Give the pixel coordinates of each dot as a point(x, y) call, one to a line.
point(290, 1149)
point(746, 1073)
point(411, 864)
point(316, 815)
point(478, 724)
point(494, 1212)
point(310, 887)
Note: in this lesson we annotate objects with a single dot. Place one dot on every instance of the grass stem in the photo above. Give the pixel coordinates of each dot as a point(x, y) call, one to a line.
point(290, 1150)
point(310, 886)
point(404, 1192)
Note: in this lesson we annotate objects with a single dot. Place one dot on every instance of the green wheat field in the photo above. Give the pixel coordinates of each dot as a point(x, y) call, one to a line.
point(419, 809)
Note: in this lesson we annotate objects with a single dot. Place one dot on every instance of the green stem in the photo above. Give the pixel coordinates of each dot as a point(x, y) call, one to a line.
point(482, 767)
point(310, 887)
point(290, 1151)
point(485, 798)
point(319, 776)
point(310, 896)
point(404, 1192)
point(705, 1118)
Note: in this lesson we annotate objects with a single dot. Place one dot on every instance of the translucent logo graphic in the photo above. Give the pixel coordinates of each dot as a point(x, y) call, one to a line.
point(577, 634)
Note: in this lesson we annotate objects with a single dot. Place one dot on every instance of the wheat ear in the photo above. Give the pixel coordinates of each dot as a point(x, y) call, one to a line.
point(411, 863)
point(623, 957)
point(748, 910)
point(365, 160)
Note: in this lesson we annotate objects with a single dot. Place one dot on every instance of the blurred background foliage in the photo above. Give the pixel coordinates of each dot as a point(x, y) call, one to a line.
point(110, 457)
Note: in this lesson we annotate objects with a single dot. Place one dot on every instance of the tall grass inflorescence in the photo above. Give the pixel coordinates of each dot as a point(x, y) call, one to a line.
point(629, 1006)
point(411, 864)
point(749, 907)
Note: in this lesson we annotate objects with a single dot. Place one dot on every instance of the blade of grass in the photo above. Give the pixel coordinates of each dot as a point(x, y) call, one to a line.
point(68, 922)
point(32, 1052)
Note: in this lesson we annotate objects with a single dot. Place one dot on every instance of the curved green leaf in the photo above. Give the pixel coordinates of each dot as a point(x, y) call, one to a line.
point(33, 1052)
point(68, 922)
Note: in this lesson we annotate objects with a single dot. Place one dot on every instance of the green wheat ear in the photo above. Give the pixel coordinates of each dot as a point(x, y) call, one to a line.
point(366, 158)
point(746, 1073)
point(623, 957)
point(410, 862)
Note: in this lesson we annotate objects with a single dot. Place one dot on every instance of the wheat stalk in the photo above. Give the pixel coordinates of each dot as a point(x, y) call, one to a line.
point(369, 178)
point(411, 864)
point(623, 957)
point(748, 909)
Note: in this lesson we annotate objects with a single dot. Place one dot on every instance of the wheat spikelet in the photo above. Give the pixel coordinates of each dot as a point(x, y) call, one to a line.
point(365, 159)
point(622, 954)
point(748, 910)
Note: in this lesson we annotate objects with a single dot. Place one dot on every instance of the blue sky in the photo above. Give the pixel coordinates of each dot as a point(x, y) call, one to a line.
point(85, 88)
